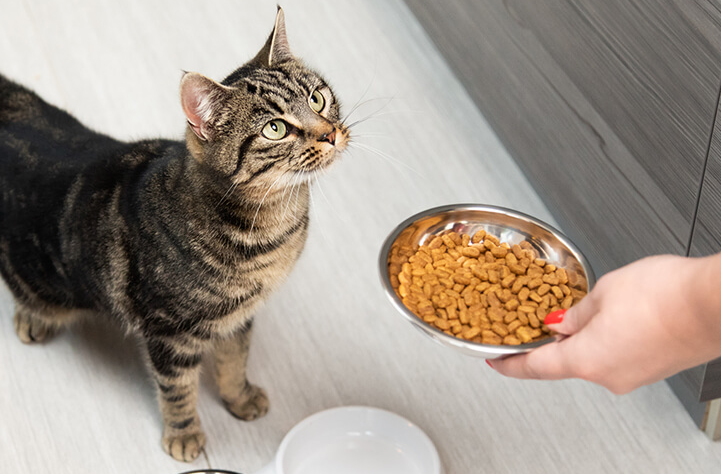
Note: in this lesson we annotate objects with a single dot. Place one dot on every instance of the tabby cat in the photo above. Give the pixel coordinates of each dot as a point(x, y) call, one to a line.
point(179, 241)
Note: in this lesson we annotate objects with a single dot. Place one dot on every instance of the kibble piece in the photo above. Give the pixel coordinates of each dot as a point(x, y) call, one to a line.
point(471, 252)
point(456, 327)
point(562, 276)
point(524, 334)
point(443, 324)
point(493, 239)
point(493, 276)
point(496, 314)
point(500, 329)
point(478, 236)
point(513, 325)
point(567, 302)
point(551, 278)
point(472, 332)
point(533, 320)
point(505, 296)
point(535, 297)
point(499, 252)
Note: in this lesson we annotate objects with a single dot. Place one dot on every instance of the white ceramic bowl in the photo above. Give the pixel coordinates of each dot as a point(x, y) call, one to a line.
point(355, 440)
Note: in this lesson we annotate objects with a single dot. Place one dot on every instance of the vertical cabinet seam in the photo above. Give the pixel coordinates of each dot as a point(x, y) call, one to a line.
point(703, 172)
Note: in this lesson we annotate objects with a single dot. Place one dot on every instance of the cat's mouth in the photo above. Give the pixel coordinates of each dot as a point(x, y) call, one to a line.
point(343, 138)
point(326, 153)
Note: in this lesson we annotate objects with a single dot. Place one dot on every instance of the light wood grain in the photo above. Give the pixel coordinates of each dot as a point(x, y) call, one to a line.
point(83, 402)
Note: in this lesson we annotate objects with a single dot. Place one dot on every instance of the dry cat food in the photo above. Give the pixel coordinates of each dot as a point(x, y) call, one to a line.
point(479, 289)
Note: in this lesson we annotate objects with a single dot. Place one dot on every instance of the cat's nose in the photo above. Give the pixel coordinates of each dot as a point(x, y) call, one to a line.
point(328, 137)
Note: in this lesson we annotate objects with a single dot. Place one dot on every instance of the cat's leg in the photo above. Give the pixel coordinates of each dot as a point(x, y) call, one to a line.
point(33, 325)
point(176, 368)
point(243, 400)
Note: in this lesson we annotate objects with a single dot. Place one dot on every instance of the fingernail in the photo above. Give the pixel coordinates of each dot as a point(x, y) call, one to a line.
point(555, 317)
point(489, 363)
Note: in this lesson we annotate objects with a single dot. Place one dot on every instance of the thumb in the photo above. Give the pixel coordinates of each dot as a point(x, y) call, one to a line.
point(571, 321)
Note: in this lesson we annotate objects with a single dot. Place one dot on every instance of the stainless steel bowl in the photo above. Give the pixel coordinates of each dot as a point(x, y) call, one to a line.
point(509, 226)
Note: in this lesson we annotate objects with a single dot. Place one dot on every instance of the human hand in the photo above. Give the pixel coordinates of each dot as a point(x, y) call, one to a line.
point(640, 324)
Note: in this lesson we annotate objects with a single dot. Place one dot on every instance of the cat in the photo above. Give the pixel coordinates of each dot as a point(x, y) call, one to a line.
point(179, 241)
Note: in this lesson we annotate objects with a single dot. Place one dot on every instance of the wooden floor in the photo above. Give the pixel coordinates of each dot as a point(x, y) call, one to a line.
point(84, 403)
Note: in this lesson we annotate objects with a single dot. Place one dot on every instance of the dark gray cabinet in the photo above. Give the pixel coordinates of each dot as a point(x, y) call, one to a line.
point(609, 107)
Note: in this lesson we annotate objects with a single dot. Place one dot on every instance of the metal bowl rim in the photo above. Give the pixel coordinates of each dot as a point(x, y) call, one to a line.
point(468, 346)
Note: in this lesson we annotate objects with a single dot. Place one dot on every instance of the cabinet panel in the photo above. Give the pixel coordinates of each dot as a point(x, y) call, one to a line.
point(650, 68)
point(609, 118)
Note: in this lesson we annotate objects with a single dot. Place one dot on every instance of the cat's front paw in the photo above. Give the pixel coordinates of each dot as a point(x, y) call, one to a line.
point(30, 328)
point(184, 447)
point(252, 404)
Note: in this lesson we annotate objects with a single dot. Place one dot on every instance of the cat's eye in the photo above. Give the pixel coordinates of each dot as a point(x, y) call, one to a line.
point(275, 130)
point(317, 101)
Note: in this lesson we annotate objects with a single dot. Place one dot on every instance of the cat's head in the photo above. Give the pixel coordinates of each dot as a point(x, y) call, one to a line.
point(268, 122)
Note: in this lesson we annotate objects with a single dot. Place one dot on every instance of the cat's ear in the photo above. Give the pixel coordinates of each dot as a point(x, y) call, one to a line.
point(202, 98)
point(276, 49)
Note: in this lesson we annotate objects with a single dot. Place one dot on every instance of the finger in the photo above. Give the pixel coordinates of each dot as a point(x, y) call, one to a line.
point(574, 319)
point(548, 362)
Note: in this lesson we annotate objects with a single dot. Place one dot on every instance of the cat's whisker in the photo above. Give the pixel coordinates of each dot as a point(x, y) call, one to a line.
point(338, 215)
point(293, 186)
point(376, 113)
point(367, 101)
point(315, 213)
point(307, 182)
point(252, 225)
point(386, 156)
point(356, 105)
point(230, 190)
point(369, 135)
point(290, 196)
point(288, 187)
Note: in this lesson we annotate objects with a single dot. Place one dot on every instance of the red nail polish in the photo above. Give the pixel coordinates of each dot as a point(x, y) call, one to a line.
point(555, 317)
point(489, 363)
